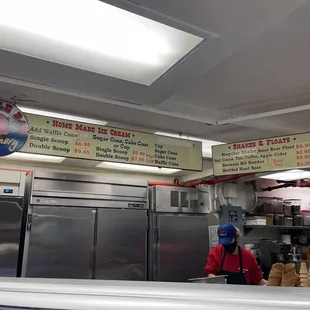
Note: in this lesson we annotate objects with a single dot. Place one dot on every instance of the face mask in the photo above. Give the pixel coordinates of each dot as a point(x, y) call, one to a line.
point(230, 248)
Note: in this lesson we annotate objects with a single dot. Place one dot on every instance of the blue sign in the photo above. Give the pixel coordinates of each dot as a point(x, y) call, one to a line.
point(13, 129)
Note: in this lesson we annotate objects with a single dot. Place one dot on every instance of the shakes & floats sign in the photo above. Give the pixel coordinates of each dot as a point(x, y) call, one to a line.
point(256, 156)
point(13, 129)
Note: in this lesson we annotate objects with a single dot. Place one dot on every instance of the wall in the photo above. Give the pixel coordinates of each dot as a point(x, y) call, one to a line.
point(244, 199)
point(236, 193)
point(89, 171)
point(207, 171)
point(245, 196)
point(287, 193)
point(255, 235)
point(184, 176)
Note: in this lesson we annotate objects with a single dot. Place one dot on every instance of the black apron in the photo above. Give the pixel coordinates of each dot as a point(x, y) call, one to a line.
point(234, 277)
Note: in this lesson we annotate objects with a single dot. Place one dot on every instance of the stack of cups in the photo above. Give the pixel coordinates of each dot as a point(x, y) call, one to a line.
point(284, 275)
point(275, 275)
point(289, 276)
point(304, 274)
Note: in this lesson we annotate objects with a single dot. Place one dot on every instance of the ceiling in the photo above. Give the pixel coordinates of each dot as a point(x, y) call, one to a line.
point(256, 60)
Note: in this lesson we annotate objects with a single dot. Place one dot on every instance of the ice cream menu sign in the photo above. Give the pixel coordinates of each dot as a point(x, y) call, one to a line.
point(65, 138)
point(262, 155)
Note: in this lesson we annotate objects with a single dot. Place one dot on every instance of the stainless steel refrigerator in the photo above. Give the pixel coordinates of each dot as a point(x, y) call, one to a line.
point(85, 227)
point(11, 204)
point(179, 235)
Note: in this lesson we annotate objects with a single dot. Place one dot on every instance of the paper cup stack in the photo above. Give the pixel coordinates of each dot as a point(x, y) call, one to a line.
point(304, 274)
point(284, 275)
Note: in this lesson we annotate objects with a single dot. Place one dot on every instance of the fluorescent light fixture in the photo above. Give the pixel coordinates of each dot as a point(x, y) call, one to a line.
point(206, 144)
point(93, 36)
point(289, 175)
point(129, 167)
point(62, 116)
point(35, 157)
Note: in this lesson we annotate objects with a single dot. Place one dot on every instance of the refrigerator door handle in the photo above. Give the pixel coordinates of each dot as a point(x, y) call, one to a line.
point(29, 221)
point(156, 235)
point(157, 257)
point(90, 259)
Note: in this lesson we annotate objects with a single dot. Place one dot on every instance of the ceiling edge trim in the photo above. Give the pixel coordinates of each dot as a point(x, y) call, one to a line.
point(149, 13)
point(53, 89)
point(264, 115)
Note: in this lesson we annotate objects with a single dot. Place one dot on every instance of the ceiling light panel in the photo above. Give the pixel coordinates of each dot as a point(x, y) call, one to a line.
point(288, 175)
point(206, 144)
point(62, 116)
point(35, 157)
point(93, 36)
point(138, 168)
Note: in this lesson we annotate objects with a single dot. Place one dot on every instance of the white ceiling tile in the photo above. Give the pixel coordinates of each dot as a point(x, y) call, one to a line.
point(257, 61)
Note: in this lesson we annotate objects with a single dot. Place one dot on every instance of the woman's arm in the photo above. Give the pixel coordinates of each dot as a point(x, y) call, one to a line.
point(256, 273)
point(212, 267)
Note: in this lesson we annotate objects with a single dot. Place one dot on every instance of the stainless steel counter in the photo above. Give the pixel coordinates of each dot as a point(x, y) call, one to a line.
point(108, 295)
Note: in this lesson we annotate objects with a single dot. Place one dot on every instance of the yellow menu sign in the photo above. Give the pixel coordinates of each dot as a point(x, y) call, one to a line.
point(263, 155)
point(51, 136)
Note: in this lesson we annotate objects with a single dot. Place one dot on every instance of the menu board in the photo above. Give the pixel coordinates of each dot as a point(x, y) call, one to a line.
point(52, 136)
point(262, 155)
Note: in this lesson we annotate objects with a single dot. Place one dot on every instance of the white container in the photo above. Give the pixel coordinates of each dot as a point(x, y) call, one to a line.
point(286, 239)
point(306, 217)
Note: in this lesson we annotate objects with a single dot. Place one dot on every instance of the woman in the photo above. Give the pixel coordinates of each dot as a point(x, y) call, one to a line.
point(228, 258)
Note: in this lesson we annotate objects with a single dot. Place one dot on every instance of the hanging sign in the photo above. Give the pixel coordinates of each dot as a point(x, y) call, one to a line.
point(262, 155)
point(13, 129)
point(51, 136)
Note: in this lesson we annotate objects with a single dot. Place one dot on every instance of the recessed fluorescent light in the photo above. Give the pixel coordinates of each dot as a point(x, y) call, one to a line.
point(148, 169)
point(288, 175)
point(206, 144)
point(93, 36)
point(35, 157)
point(62, 116)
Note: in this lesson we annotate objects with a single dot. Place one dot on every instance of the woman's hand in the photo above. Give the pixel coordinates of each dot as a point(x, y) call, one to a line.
point(263, 282)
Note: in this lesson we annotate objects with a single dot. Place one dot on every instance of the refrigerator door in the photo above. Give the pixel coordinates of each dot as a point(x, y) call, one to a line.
point(10, 225)
point(61, 243)
point(121, 244)
point(181, 248)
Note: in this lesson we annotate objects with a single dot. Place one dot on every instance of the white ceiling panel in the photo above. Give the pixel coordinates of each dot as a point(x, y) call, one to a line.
point(114, 114)
point(273, 65)
point(299, 121)
point(236, 24)
point(231, 31)
point(97, 44)
point(255, 61)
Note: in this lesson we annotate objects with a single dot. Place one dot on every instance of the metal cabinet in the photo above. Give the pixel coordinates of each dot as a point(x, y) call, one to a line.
point(179, 236)
point(10, 227)
point(121, 244)
point(181, 247)
point(85, 243)
point(61, 243)
point(84, 227)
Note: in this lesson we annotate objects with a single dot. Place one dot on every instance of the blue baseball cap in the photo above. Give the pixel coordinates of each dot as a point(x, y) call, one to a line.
point(226, 233)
